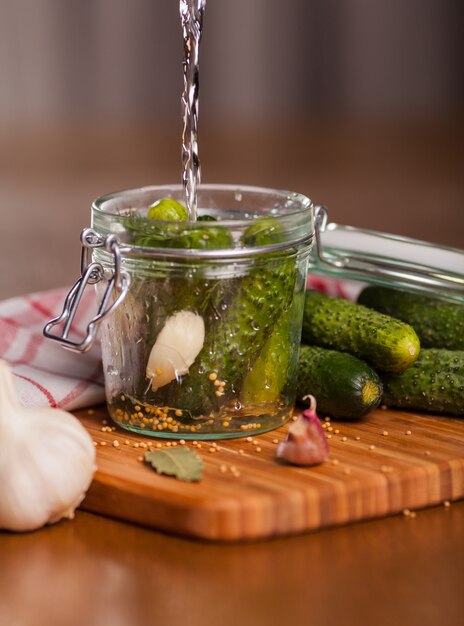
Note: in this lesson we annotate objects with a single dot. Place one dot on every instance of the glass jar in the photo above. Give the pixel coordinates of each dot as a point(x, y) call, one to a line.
point(205, 342)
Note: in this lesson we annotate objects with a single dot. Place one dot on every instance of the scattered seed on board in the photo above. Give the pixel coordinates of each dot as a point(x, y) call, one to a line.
point(408, 432)
point(275, 441)
point(103, 443)
point(372, 447)
point(385, 433)
point(447, 504)
point(116, 443)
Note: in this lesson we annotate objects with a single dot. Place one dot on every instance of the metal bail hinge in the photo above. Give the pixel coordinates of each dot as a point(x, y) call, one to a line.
point(91, 273)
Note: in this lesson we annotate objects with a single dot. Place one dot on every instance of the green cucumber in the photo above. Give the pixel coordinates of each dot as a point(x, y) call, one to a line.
point(439, 324)
point(169, 233)
point(267, 378)
point(434, 383)
point(343, 385)
point(384, 342)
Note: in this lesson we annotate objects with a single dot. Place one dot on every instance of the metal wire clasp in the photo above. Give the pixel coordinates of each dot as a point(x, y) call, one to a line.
point(91, 273)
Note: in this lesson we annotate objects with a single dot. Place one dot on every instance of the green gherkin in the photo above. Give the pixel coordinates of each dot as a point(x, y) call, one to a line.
point(439, 324)
point(343, 385)
point(267, 378)
point(434, 383)
point(386, 343)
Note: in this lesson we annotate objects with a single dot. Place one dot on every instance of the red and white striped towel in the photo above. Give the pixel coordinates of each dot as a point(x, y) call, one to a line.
point(45, 373)
point(48, 375)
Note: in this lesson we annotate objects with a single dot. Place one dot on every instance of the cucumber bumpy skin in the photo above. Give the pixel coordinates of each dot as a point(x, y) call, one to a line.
point(344, 386)
point(434, 383)
point(439, 324)
point(384, 342)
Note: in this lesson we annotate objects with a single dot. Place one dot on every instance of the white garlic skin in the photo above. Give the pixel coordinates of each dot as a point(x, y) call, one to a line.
point(176, 348)
point(47, 462)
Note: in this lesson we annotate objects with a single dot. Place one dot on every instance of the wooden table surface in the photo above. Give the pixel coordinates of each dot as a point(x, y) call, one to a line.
point(97, 571)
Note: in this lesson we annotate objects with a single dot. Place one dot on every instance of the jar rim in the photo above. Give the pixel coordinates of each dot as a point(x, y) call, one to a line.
point(235, 206)
point(296, 197)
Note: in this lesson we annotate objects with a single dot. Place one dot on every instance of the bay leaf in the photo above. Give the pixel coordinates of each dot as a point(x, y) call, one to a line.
point(182, 463)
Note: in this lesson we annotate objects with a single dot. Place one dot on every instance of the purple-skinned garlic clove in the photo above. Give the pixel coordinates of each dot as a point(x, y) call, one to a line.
point(305, 443)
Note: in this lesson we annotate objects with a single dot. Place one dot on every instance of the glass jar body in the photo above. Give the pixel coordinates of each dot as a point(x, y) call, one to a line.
point(206, 346)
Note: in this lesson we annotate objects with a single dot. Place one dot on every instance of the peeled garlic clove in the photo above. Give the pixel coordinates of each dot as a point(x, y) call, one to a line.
point(47, 462)
point(305, 443)
point(176, 348)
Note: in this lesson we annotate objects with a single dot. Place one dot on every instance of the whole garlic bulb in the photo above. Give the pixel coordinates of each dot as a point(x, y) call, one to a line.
point(47, 461)
point(176, 348)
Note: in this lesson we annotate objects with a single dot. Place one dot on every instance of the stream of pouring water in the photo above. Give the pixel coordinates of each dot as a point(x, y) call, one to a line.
point(191, 14)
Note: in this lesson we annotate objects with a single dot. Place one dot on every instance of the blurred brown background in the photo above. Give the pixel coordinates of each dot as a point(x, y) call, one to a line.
point(357, 103)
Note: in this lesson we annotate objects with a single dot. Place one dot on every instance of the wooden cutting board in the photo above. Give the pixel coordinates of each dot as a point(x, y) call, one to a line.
point(390, 463)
